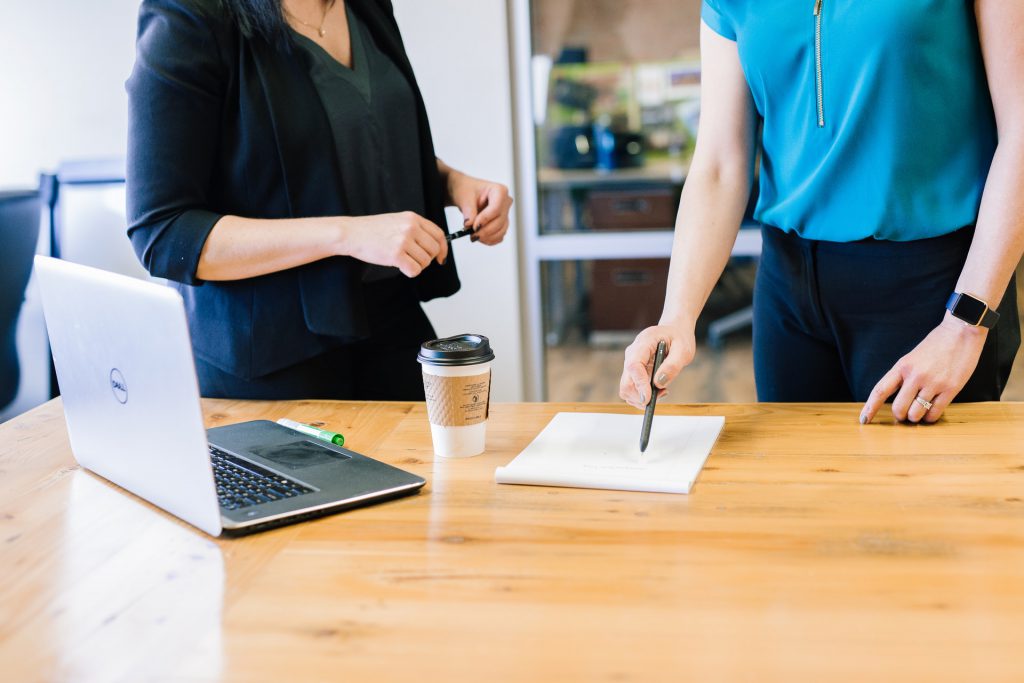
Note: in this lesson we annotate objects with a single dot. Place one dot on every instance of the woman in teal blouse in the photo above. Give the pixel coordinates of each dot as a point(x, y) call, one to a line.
point(891, 195)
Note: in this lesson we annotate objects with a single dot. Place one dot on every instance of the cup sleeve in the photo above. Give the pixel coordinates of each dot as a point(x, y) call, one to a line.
point(712, 15)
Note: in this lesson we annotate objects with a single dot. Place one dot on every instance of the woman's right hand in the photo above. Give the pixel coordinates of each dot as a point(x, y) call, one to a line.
point(404, 240)
point(635, 385)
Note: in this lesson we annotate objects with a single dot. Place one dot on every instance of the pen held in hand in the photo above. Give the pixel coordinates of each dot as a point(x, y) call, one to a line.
point(461, 233)
point(645, 431)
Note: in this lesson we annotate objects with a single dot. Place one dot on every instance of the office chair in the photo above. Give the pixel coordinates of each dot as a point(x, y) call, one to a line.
point(20, 214)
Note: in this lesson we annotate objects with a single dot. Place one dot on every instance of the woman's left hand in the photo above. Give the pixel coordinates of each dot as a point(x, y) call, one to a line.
point(484, 205)
point(936, 370)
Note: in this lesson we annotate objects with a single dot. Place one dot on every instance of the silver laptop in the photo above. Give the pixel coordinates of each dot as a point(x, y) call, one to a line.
point(127, 378)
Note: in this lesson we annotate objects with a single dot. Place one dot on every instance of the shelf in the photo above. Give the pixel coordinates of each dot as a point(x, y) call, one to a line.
point(659, 172)
point(587, 246)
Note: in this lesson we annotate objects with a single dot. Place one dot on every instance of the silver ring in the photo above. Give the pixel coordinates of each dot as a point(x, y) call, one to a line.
point(927, 405)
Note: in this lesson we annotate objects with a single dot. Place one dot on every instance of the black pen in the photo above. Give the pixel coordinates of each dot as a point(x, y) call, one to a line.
point(461, 233)
point(645, 432)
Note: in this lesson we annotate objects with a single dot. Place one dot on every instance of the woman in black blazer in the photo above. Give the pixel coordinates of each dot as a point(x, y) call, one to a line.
point(281, 174)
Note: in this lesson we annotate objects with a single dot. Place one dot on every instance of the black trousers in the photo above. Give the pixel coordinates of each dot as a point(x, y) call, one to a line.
point(380, 368)
point(831, 318)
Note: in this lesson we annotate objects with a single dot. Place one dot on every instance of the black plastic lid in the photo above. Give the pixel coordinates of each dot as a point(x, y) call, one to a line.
point(462, 349)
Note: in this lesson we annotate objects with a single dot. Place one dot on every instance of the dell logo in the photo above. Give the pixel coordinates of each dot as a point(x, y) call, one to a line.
point(118, 386)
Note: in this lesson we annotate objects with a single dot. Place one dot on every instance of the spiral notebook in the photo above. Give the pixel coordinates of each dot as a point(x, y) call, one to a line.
point(602, 451)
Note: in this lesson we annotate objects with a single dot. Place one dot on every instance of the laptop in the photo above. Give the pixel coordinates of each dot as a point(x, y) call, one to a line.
point(124, 363)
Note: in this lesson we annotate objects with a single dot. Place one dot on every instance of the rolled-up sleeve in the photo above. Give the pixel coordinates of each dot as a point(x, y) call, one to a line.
point(712, 15)
point(175, 98)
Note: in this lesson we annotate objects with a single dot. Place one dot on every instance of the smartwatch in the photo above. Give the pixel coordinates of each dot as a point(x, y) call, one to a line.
point(971, 310)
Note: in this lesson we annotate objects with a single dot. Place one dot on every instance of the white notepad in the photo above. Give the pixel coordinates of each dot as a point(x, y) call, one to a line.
point(601, 451)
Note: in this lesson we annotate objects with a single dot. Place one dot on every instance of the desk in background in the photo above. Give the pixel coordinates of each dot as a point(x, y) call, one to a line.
point(812, 549)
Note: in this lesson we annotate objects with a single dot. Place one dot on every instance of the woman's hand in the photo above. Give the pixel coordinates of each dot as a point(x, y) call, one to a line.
point(936, 370)
point(484, 205)
point(634, 387)
point(404, 240)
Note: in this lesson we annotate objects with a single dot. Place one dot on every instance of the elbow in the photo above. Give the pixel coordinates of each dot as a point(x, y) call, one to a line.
point(722, 173)
point(723, 166)
point(1011, 143)
point(140, 236)
point(169, 246)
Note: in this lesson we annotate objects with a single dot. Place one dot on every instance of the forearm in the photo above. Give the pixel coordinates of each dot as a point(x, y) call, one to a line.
point(239, 248)
point(710, 213)
point(999, 236)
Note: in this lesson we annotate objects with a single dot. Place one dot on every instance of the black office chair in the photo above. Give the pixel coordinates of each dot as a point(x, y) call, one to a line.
point(20, 214)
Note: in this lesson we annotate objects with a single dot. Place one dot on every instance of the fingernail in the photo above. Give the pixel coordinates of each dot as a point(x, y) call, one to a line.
point(863, 419)
point(662, 379)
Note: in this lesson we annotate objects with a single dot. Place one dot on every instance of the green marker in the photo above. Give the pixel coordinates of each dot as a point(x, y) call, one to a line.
point(309, 430)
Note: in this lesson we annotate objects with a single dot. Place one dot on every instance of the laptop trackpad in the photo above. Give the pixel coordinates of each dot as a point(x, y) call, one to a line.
point(298, 455)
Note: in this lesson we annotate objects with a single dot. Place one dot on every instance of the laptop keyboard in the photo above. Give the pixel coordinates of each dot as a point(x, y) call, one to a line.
point(241, 483)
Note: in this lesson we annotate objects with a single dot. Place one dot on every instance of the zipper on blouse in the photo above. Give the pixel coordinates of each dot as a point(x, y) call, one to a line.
point(819, 86)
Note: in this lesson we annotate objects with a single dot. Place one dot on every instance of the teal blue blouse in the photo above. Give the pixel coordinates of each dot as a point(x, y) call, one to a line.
point(877, 116)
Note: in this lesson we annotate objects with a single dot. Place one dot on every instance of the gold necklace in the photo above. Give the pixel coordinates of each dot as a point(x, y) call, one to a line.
point(323, 20)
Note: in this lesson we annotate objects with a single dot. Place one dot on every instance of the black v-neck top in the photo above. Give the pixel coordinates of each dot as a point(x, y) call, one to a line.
point(372, 111)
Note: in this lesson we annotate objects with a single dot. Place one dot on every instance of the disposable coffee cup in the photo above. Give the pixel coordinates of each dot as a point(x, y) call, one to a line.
point(457, 382)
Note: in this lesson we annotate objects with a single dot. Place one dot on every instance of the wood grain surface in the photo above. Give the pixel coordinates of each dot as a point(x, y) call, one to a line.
point(811, 549)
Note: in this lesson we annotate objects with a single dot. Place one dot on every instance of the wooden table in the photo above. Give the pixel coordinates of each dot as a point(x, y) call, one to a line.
point(812, 549)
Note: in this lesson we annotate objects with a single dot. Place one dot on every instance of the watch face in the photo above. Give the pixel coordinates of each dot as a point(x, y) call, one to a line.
point(969, 309)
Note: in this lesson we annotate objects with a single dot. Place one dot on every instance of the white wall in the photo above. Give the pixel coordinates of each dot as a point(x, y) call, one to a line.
point(63, 65)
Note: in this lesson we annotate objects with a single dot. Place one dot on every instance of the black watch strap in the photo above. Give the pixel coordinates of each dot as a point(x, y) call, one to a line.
point(972, 310)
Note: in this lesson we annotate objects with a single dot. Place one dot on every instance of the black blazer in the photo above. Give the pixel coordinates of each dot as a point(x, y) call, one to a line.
point(224, 124)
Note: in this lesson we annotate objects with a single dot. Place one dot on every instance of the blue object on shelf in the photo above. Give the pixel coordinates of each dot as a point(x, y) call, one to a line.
point(618, 149)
